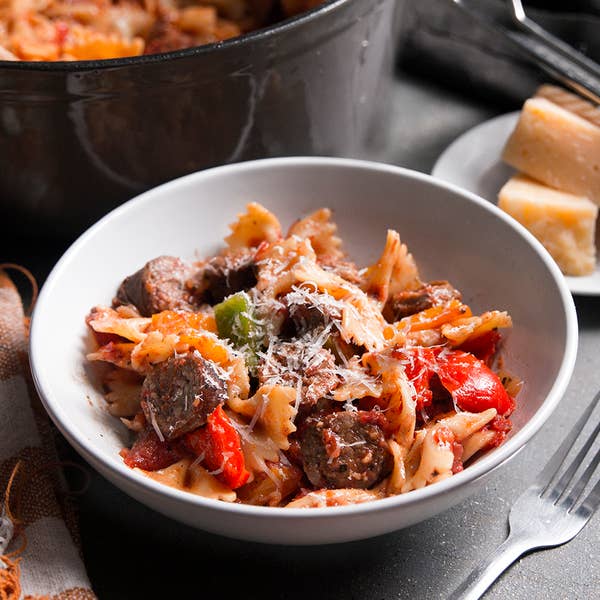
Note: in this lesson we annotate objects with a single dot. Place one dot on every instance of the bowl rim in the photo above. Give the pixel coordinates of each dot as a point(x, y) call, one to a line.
point(76, 66)
point(481, 468)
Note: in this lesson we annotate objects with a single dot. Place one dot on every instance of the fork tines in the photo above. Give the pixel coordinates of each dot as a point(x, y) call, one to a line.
point(555, 486)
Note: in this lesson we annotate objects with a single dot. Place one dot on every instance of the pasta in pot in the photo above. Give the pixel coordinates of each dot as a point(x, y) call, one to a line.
point(278, 373)
point(67, 30)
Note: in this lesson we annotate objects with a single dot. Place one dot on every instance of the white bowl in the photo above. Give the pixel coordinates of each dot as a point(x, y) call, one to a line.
point(453, 235)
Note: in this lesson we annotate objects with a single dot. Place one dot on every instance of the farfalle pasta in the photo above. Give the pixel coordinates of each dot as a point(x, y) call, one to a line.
point(278, 373)
point(68, 30)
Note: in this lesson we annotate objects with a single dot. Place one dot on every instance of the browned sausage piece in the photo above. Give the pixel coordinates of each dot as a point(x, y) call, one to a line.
point(159, 285)
point(345, 450)
point(226, 275)
point(305, 316)
point(410, 302)
point(290, 362)
point(179, 394)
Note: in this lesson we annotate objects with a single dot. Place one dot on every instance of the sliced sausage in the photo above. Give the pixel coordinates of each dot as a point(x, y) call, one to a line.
point(305, 316)
point(345, 450)
point(159, 285)
point(226, 275)
point(410, 302)
point(287, 363)
point(179, 394)
point(302, 318)
point(150, 453)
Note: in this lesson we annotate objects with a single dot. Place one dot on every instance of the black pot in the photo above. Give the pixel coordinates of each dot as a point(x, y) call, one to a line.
point(77, 139)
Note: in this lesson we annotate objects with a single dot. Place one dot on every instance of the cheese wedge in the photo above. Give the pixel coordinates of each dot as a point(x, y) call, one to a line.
point(569, 101)
point(557, 147)
point(564, 223)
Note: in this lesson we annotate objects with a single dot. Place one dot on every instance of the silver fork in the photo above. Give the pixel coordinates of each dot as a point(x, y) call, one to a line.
point(549, 513)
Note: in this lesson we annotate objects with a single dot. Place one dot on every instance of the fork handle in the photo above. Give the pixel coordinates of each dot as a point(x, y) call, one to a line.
point(489, 569)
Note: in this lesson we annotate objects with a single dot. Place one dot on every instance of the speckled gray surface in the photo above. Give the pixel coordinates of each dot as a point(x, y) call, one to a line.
point(132, 552)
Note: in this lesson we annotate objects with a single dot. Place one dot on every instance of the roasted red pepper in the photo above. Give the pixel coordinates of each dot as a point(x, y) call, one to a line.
point(219, 444)
point(473, 385)
point(419, 366)
point(483, 346)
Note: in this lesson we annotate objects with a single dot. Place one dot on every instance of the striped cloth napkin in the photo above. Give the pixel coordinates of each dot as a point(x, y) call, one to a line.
point(39, 556)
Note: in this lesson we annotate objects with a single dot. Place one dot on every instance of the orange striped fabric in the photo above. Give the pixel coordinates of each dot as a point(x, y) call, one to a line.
point(41, 559)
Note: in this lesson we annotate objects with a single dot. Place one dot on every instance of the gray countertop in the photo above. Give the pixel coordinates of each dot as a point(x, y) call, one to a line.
point(132, 552)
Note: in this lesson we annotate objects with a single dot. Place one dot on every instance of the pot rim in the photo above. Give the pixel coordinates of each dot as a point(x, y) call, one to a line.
point(285, 26)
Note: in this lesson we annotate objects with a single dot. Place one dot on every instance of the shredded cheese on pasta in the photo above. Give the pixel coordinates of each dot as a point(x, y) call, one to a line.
point(321, 347)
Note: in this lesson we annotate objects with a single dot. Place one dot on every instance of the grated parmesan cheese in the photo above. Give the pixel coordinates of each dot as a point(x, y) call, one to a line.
point(155, 426)
point(341, 348)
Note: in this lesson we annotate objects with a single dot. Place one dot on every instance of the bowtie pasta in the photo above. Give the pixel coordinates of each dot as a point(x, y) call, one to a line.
point(277, 373)
point(67, 30)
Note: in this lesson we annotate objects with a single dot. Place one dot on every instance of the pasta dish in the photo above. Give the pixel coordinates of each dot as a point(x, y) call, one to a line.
point(277, 373)
point(67, 30)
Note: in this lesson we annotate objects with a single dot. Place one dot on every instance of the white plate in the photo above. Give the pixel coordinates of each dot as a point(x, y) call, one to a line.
point(473, 162)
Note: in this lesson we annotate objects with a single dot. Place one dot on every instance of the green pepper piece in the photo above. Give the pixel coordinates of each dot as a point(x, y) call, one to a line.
point(236, 321)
